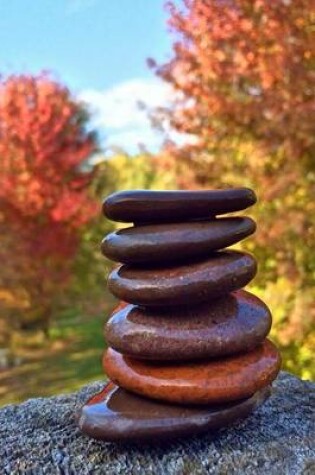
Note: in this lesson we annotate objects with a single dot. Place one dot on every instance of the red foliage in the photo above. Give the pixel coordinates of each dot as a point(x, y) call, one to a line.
point(43, 191)
point(244, 67)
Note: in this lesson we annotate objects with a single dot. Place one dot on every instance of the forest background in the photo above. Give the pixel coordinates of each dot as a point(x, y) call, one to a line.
point(241, 114)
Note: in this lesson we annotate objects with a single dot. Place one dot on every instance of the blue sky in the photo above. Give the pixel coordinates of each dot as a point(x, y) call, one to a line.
point(99, 49)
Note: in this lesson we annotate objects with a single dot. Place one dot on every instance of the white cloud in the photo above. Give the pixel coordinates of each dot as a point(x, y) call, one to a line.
point(118, 107)
point(117, 114)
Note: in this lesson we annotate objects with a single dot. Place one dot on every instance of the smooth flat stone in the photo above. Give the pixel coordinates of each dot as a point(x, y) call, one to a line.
point(238, 322)
point(159, 206)
point(174, 242)
point(115, 415)
point(202, 382)
point(195, 282)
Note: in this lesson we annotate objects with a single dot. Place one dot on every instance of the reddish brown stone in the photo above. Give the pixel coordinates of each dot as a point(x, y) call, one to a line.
point(195, 282)
point(169, 206)
point(117, 415)
point(205, 382)
point(174, 242)
point(235, 323)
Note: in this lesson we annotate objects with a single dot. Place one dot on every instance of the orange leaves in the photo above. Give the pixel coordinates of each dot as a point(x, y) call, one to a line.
point(246, 25)
point(252, 59)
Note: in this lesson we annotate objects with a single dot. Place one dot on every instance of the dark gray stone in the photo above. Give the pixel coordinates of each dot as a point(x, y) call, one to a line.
point(40, 436)
point(146, 206)
point(171, 242)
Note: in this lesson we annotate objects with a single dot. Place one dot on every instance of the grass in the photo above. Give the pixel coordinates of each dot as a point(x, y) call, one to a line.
point(70, 359)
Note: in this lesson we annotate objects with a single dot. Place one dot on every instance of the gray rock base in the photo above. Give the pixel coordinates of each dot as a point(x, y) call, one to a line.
point(40, 437)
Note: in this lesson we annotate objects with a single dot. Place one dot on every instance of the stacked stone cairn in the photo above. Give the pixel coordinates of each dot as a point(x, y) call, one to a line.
point(187, 346)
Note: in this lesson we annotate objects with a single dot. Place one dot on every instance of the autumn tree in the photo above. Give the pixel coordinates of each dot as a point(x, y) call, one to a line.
point(244, 67)
point(243, 75)
point(44, 202)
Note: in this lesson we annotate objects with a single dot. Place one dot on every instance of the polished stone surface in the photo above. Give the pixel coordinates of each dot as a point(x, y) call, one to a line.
point(201, 382)
point(160, 206)
point(117, 415)
point(235, 323)
point(195, 282)
point(174, 242)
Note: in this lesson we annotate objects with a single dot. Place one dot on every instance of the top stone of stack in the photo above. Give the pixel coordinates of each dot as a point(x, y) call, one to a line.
point(141, 206)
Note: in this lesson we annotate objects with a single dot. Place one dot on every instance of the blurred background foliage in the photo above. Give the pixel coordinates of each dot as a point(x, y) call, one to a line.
point(248, 123)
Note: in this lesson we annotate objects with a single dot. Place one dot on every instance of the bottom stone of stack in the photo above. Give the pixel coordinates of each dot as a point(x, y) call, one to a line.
point(208, 381)
point(116, 415)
